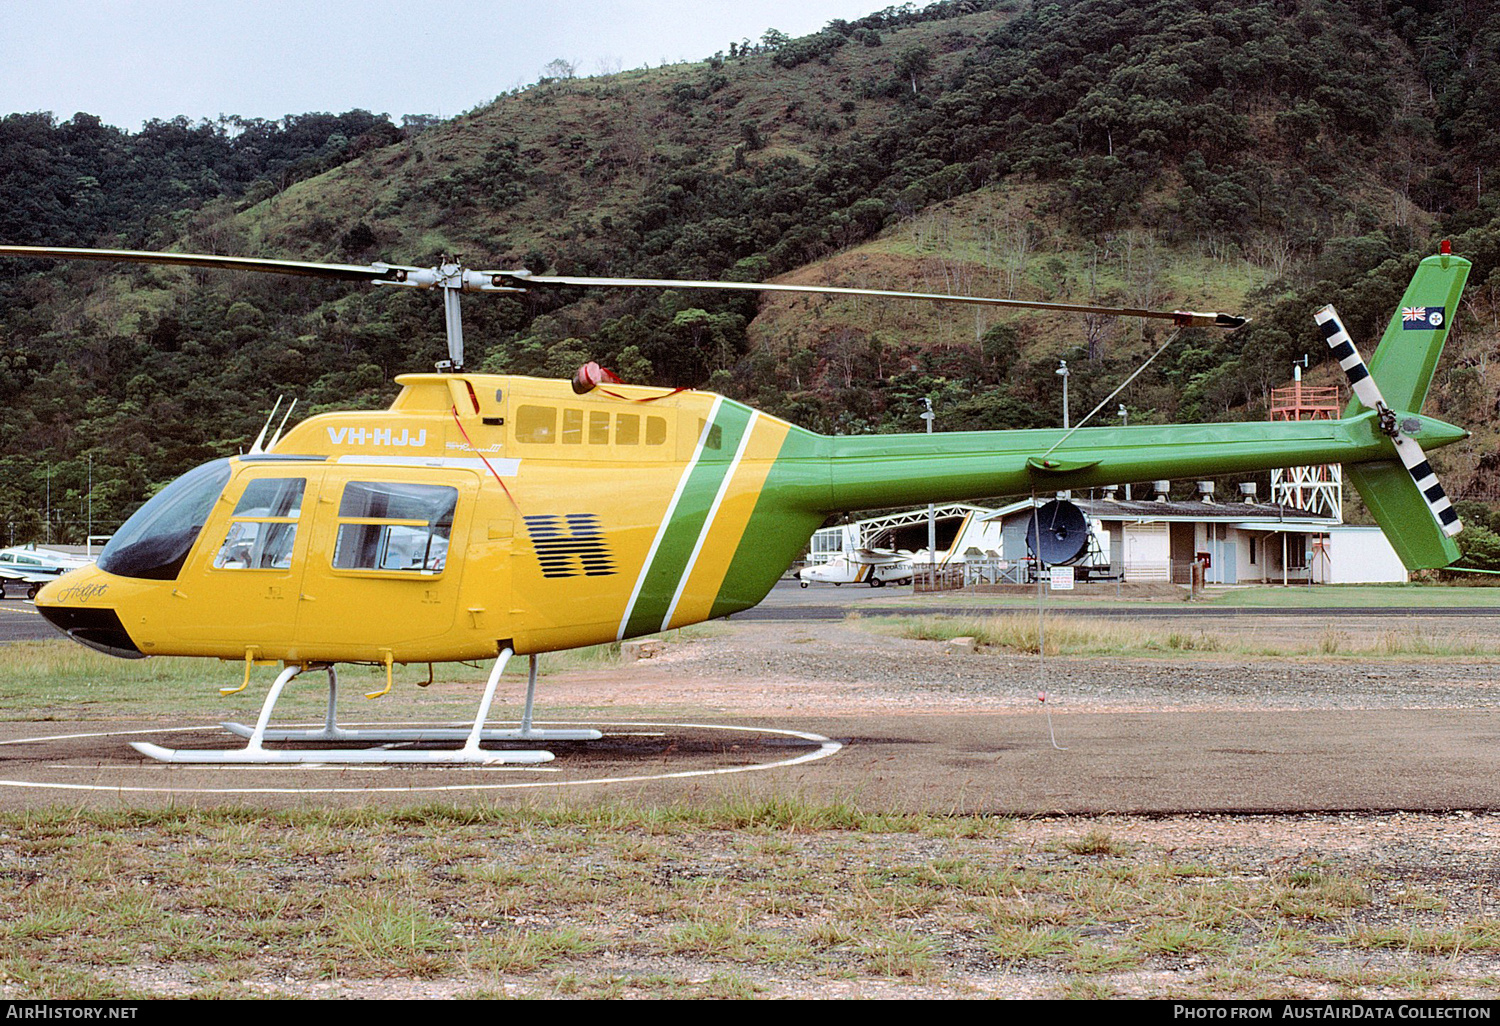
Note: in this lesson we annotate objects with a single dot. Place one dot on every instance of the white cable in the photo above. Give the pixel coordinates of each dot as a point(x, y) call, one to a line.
point(1170, 339)
point(1041, 636)
point(1041, 628)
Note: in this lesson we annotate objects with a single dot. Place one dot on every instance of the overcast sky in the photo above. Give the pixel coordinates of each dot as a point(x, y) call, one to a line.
point(131, 60)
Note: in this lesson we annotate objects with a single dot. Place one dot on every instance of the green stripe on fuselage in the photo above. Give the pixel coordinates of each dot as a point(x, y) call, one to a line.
point(676, 548)
point(786, 514)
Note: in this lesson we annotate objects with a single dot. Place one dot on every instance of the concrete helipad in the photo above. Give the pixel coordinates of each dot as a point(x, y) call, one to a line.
point(1146, 763)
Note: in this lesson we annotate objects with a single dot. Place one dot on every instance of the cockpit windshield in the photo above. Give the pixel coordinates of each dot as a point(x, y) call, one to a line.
point(154, 543)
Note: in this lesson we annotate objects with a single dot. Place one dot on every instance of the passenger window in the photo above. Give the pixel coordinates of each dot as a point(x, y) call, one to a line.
point(257, 545)
point(536, 424)
point(656, 431)
point(715, 437)
point(264, 527)
point(598, 429)
point(627, 429)
point(390, 526)
point(572, 427)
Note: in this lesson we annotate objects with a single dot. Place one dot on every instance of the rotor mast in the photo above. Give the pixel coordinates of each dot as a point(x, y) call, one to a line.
point(452, 277)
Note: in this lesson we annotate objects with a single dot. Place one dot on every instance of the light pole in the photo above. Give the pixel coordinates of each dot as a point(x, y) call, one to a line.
point(929, 417)
point(1125, 422)
point(1062, 372)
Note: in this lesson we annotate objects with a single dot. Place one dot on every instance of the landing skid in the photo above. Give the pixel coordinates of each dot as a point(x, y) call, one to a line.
point(254, 753)
point(396, 735)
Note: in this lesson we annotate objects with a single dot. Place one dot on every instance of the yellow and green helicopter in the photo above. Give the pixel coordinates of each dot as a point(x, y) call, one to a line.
point(485, 516)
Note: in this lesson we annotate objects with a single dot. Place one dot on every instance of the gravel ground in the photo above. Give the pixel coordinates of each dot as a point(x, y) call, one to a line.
point(1452, 860)
point(846, 668)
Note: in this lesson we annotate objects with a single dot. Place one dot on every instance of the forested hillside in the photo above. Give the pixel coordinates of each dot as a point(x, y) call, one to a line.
point(1263, 157)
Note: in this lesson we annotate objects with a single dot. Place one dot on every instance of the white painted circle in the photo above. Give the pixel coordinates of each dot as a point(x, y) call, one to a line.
point(826, 747)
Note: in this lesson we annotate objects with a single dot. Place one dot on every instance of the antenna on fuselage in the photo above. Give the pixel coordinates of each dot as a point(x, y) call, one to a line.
point(284, 418)
point(256, 450)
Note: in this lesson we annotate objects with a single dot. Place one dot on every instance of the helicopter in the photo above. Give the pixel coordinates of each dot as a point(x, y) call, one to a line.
point(486, 516)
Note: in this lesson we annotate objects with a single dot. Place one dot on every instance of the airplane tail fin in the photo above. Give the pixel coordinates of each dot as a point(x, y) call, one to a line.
point(1405, 497)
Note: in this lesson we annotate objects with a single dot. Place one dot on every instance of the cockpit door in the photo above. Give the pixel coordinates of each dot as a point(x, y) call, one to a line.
point(238, 589)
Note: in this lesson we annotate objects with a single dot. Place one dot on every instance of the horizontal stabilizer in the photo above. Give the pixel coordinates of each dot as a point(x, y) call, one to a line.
point(1403, 513)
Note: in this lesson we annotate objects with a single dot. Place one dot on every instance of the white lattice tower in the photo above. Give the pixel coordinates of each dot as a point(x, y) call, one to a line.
point(1319, 490)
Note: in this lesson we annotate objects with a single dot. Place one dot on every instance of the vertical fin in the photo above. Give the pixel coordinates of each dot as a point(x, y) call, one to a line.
point(1404, 363)
point(1407, 501)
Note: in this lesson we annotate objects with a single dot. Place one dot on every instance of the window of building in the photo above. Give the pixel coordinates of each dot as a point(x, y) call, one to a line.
point(1296, 552)
point(827, 542)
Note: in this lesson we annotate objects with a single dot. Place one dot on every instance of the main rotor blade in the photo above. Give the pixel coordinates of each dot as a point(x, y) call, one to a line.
point(344, 272)
point(455, 276)
point(1183, 318)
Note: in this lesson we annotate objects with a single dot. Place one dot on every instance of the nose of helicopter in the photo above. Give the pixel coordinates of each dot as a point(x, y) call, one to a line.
point(79, 604)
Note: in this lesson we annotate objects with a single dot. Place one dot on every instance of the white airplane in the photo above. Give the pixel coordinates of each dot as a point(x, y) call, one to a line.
point(875, 567)
point(34, 567)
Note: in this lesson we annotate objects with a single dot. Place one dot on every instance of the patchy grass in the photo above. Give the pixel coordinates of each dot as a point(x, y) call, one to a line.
point(1095, 842)
point(1071, 635)
point(735, 898)
point(1360, 595)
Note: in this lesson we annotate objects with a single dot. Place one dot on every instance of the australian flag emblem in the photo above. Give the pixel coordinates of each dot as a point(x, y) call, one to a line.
point(1421, 318)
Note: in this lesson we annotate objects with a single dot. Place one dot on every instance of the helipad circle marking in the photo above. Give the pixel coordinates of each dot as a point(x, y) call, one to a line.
point(826, 747)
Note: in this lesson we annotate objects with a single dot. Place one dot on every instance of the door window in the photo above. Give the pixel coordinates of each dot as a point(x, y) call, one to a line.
point(394, 527)
point(264, 527)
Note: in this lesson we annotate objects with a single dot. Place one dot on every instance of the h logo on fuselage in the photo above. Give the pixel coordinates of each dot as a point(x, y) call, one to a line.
point(569, 545)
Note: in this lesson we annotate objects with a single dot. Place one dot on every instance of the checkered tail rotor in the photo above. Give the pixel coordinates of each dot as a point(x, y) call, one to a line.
point(1368, 392)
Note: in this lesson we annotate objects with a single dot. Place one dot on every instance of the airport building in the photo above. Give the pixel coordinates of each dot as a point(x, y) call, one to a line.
point(1240, 542)
point(1155, 539)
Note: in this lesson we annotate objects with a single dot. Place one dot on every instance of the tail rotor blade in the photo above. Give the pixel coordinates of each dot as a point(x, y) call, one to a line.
point(1337, 337)
point(1415, 462)
point(1368, 392)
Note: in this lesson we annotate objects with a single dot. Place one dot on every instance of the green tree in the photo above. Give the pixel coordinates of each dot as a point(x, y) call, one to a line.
point(912, 63)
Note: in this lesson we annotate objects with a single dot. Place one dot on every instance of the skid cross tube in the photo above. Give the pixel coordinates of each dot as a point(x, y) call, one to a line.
point(331, 731)
point(255, 753)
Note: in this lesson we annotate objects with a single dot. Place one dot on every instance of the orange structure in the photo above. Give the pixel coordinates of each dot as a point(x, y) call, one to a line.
point(1318, 490)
